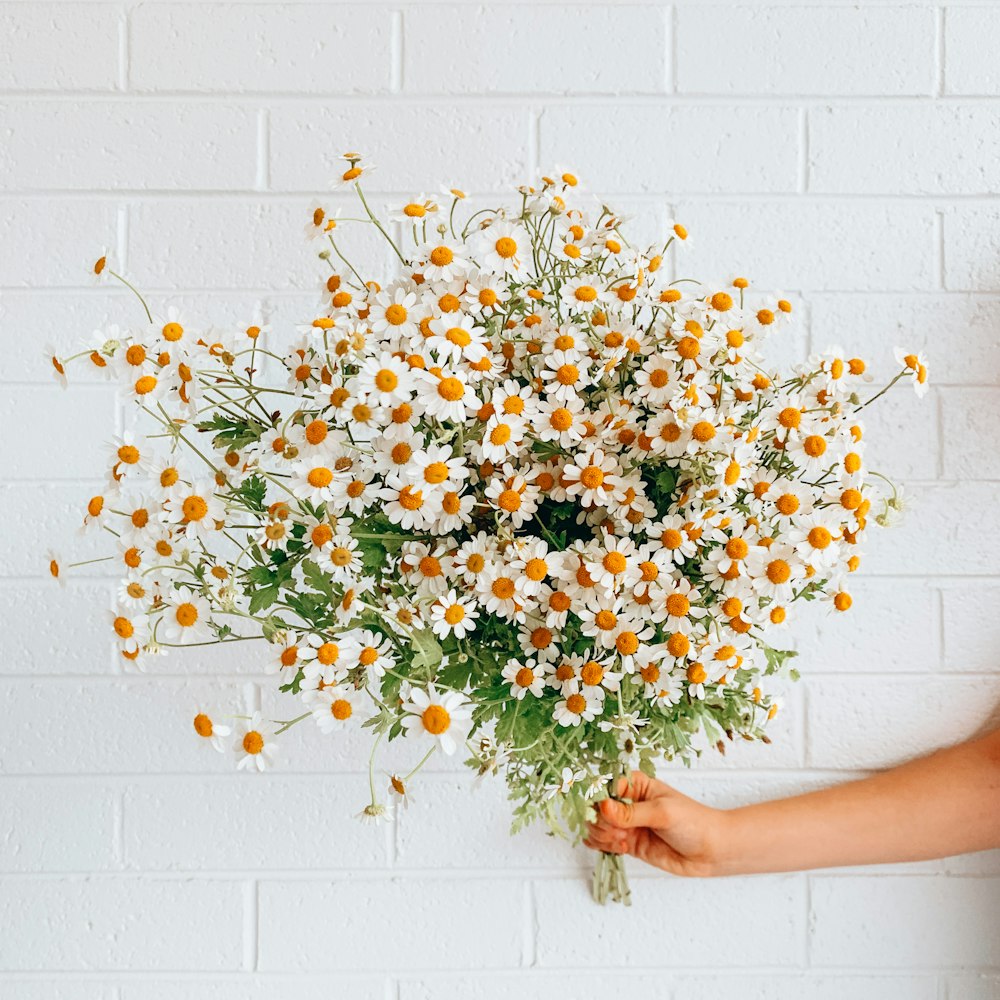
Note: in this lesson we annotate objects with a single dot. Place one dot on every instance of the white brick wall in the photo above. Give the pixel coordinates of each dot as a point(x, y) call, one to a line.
point(843, 152)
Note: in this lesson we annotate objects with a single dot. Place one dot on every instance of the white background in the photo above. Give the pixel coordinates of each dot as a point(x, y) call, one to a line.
point(846, 155)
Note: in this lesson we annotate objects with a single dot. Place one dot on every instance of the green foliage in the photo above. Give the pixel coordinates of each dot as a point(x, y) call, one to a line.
point(231, 432)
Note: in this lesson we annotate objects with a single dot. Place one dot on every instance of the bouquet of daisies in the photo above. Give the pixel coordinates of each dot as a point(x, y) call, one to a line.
point(531, 501)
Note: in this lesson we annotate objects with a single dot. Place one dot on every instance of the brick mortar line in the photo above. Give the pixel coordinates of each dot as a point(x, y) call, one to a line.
point(514, 99)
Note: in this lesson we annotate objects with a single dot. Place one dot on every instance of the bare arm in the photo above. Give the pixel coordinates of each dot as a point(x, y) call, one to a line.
point(946, 803)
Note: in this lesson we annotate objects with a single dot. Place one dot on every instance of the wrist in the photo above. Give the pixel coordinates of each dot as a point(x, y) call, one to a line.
point(727, 854)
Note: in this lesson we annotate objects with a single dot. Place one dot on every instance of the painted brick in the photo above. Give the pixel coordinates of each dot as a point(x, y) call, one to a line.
point(667, 919)
point(132, 726)
point(35, 820)
point(291, 48)
point(51, 243)
point(849, 728)
point(902, 435)
point(75, 638)
point(972, 987)
point(65, 435)
point(113, 922)
point(898, 159)
point(812, 986)
point(971, 451)
point(230, 824)
point(537, 985)
point(893, 625)
point(971, 35)
point(956, 333)
point(389, 925)
point(971, 629)
point(239, 244)
point(43, 323)
point(43, 43)
point(458, 146)
point(134, 146)
point(931, 540)
point(253, 988)
point(601, 50)
point(38, 517)
point(474, 820)
point(972, 249)
point(812, 246)
point(57, 989)
point(935, 921)
point(753, 150)
point(764, 49)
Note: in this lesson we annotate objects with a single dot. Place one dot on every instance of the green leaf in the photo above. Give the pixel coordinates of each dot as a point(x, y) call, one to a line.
point(230, 432)
point(263, 598)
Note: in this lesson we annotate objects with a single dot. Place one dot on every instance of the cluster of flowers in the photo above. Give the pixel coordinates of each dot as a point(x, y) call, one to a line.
point(531, 497)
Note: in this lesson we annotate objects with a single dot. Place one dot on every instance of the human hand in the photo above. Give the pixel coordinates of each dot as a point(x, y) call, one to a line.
point(661, 827)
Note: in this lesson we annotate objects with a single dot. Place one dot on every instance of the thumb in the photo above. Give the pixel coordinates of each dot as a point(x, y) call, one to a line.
point(627, 815)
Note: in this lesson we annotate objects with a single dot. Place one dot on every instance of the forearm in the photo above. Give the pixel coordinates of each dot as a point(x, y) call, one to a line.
point(947, 803)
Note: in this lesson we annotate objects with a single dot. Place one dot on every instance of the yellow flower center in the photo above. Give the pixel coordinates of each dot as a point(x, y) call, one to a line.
point(819, 537)
point(341, 709)
point(395, 314)
point(436, 472)
point(194, 508)
point(320, 477)
point(509, 500)
point(605, 620)
point(186, 614)
point(253, 742)
point(440, 256)
point(436, 719)
point(203, 725)
point(567, 374)
point(451, 389)
point(814, 446)
point(778, 571)
point(505, 247)
point(678, 605)
point(787, 504)
point(454, 613)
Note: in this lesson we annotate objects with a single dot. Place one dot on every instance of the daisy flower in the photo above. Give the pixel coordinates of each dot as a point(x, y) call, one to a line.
point(578, 705)
point(453, 615)
point(915, 365)
point(443, 716)
point(368, 649)
point(333, 706)
point(443, 261)
point(524, 678)
point(501, 247)
point(186, 618)
point(255, 746)
point(208, 729)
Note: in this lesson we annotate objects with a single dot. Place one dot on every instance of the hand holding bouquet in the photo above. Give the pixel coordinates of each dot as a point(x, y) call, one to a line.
point(531, 501)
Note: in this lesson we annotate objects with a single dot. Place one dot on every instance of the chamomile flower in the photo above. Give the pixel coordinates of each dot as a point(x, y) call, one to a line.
point(333, 707)
point(255, 745)
point(524, 678)
point(453, 615)
point(186, 618)
point(442, 716)
point(209, 729)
